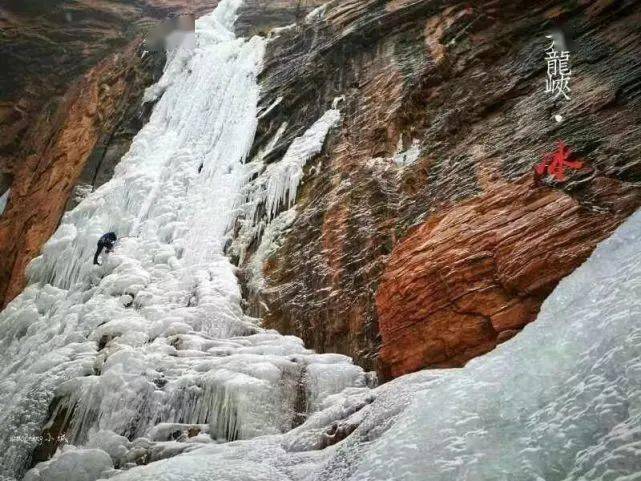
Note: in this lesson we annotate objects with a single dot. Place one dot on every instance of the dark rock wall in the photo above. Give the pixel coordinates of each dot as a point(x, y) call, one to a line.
point(46, 45)
point(258, 17)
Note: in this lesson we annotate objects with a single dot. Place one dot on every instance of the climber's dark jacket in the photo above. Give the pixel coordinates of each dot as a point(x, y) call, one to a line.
point(107, 242)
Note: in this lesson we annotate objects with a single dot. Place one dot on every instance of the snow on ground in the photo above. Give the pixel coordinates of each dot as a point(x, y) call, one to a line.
point(562, 401)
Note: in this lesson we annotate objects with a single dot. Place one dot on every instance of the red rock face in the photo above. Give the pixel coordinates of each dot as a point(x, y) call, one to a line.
point(474, 275)
point(436, 262)
point(56, 152)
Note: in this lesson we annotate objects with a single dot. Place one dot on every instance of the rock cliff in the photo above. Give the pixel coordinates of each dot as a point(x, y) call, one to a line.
point(70, 102)
point(71, 148)
point(399, 203)
point(422, 237)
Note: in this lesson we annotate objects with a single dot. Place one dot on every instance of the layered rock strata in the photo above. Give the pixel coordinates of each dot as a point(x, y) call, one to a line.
point(69, 151)
point(420, 230)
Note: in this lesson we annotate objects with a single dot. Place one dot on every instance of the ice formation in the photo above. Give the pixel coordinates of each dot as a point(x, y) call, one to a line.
point(4, 199)
point(269, 243)
point(284, 177)
point(277, 186)
point(148, 359)
point(560, 402)
point(317, 13)
point(407, 157)
point(124, 358)
point(274, 187)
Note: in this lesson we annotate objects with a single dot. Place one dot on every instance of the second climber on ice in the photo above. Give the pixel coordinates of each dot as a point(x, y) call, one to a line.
point(106, 242)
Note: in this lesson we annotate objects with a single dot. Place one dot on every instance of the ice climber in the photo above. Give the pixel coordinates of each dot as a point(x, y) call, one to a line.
point(106, 242)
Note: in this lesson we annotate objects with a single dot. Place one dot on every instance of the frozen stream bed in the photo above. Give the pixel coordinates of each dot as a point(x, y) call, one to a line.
point(146, 368)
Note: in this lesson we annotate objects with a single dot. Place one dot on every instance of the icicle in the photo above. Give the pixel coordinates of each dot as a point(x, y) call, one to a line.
point(284, 176)
point(268, 245)
point(275, 187)
point(4, 199)
point(329, 374)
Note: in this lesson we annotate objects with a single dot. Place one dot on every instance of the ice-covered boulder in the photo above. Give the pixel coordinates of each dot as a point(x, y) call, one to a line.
point(73, 464)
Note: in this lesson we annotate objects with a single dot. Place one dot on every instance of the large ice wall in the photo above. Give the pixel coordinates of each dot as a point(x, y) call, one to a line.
point(119, 361)
point(560, 402)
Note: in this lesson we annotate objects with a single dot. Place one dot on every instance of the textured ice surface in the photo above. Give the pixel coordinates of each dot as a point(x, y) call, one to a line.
point(150, 355)
point(269, 243)
point(560, 402)
point(409, 156)
point(4, 199)
point(312, 451)
point(148, 359)
point(283, 177)
point(81, 464)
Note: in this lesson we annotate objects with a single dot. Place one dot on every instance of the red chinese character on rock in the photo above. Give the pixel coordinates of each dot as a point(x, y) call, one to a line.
point(556, 163)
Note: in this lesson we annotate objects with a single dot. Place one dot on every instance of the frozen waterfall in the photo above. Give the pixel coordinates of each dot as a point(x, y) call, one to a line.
point(559, 402)
point(146, 368)
point(119, 361)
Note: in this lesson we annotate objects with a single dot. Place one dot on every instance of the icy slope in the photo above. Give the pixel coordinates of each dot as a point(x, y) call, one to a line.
point(153, 345)
point(560, 402)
